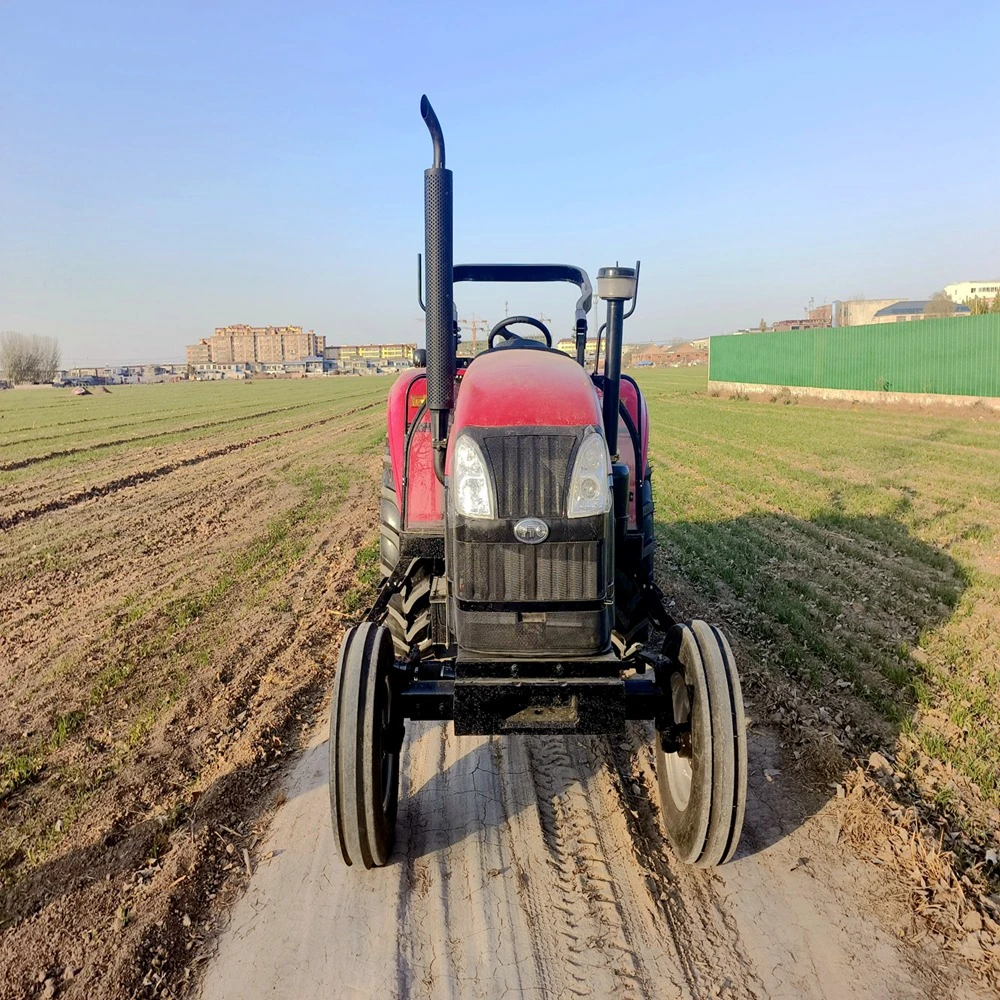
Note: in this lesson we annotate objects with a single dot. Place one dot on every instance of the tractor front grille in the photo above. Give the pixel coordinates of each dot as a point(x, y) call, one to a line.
point(516, 599)
point(503, 572)
point(530, 472)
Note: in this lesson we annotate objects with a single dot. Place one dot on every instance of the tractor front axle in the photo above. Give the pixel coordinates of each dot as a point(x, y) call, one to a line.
point(485, 703)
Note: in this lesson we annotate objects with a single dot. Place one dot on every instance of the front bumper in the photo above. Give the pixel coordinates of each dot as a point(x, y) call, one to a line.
point(488, 698)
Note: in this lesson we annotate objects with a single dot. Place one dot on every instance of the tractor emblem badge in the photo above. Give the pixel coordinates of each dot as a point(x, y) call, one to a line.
point(531, 530)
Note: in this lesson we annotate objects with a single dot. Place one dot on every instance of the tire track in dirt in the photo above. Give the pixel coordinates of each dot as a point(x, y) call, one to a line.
point(137, 478)
point(702, 946)
point(472, 907)
point(535, 867)
point(544, 943)
point(595, 935)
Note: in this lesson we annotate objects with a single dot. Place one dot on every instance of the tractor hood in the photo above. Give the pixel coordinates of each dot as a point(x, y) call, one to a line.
point(525, 387)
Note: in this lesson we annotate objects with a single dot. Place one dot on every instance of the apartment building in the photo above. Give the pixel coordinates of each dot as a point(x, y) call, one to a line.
point(243, 344)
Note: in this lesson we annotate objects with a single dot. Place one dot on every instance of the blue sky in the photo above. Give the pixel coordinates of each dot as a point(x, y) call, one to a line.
point(169, 167)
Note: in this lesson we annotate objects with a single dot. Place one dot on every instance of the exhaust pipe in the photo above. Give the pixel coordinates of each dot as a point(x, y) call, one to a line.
point(439, 289)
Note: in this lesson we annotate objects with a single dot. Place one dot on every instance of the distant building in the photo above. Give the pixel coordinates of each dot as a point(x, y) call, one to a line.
point(903, 312)
point(694, 352)
point(962, 290)
point(199, 354)
point(305, 365)
point(568, 346)
point(371, 352)
point(82, 376)
point(824, 314)
point(242, 344)
point(651, 354)
point(360, 357)
point(798, 324)
point(860, 312)
point(864, 312)
point(845, 312)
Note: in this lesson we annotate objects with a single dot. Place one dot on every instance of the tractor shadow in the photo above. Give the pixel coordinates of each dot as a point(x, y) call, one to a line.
point(490, 786)
point(823, 615)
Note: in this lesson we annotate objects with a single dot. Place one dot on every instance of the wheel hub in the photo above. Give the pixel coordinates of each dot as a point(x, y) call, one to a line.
point(679, 764)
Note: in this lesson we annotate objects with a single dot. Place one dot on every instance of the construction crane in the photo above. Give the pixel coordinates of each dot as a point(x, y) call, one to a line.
point(474, 323)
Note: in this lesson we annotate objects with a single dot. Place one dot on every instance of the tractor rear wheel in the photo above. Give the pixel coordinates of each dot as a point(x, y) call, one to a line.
point(365, 738)
point(703, 785)
point(389, 520)
point(408, 615)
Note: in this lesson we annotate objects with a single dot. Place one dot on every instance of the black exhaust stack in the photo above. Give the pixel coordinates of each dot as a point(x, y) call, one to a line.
point(439, 294)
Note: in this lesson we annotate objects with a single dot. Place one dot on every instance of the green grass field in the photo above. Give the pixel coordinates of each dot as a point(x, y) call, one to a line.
point(854, 548)
point(55, 429)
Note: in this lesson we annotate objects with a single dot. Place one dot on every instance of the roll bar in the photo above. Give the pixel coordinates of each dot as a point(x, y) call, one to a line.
point(531, 272)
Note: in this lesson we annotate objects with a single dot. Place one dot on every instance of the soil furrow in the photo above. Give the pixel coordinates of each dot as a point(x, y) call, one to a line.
point(108, 488)
point(23, 463)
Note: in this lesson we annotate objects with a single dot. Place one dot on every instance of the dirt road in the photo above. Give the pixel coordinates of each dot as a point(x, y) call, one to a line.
point(534, 867)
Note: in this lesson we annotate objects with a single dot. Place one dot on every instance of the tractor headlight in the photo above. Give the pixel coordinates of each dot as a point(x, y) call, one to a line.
point(470, 482)
point(590, 483)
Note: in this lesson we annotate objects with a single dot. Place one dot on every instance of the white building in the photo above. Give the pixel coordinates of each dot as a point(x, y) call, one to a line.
point(962, 290)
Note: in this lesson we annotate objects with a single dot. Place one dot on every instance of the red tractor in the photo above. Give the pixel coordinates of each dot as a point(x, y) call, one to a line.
point(517, 561)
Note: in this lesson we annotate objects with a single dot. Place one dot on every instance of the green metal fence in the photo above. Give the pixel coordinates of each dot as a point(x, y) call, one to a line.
point(958, 356)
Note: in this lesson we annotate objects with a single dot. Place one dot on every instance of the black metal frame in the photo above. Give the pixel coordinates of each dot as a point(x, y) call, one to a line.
point(532, 273)
point(485, 696)
point(585, 697)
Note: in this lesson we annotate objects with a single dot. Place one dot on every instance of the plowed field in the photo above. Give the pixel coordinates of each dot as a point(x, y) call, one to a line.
point(176, 564)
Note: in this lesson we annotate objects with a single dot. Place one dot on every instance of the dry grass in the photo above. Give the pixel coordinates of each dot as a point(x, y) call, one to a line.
point(952, 903)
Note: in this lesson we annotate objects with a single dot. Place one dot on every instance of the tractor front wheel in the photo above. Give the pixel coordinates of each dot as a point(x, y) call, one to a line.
point(703, 783)
point(365, 739)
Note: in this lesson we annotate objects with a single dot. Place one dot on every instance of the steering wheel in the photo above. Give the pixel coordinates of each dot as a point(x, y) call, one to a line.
point(501, 329)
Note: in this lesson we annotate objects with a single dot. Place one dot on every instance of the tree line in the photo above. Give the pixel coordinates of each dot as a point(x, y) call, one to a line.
point(980, 307)
point(28, 357)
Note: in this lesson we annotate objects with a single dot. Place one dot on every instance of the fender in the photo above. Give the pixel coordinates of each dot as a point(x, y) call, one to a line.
point(422, 507)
